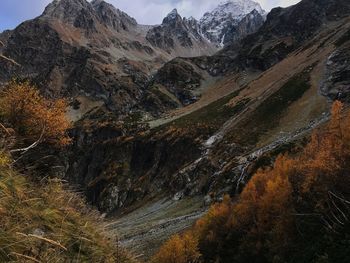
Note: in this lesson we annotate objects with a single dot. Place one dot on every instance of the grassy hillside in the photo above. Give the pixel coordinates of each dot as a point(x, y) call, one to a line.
point(42, 222)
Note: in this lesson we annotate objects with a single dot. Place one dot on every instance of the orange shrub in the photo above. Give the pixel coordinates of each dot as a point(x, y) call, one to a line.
point(179, 249)
point(33, 116)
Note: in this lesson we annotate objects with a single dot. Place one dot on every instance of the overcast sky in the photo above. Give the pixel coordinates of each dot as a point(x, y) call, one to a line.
point(13, 12)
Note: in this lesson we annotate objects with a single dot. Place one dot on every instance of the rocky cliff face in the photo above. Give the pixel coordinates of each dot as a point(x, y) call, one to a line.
point(178, 33)
point(75, 48)
point(78, 13)
point(119, 168)
point(336, 83)
point(113, 17)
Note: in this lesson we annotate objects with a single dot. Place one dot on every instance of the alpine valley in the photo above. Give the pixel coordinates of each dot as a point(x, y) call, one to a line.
point(167, 120)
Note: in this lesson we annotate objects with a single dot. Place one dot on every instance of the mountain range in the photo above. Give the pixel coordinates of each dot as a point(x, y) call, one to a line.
point(96, 49)
point(169, 118)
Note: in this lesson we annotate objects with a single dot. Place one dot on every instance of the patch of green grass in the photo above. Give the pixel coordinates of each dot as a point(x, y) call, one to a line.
point(267, 115)
point(161, 95)
point(213, 115)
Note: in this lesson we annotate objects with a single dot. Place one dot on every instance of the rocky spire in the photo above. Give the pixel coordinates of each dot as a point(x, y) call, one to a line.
point(112, 17)
point(172, 18)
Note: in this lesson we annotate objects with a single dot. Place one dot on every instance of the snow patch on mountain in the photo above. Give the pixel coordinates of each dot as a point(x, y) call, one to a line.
point(215, 25)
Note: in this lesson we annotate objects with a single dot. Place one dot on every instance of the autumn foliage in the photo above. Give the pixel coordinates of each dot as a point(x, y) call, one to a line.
point(33, 116)
point(296, 211)
point(179, 249)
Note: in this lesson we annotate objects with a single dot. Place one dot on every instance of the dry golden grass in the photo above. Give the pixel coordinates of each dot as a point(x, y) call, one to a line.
point(45, 223)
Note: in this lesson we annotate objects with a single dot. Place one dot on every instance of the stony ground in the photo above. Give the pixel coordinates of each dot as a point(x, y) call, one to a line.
point(146, 228)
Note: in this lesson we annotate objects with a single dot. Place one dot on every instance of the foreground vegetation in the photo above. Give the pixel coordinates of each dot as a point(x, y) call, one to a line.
point(45, 223)
point(296, 211)
point(42, 221)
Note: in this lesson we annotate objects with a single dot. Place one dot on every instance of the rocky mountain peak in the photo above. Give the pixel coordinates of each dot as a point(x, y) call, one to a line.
point(112, 17)
point(84, 14)
point(221, 21)
point(66, 9)
point(173, 13)
point(238, 8)
point(172, 18)
point(177, 31)
point(78, 13)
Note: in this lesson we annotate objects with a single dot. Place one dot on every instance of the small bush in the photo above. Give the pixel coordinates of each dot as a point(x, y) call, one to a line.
point(33, 116)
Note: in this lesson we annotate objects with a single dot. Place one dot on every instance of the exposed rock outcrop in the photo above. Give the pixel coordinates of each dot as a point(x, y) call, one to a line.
point(336, 83)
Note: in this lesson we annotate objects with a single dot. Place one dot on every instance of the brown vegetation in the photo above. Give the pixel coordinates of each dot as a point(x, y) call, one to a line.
point(44, 223)
point(33, 116)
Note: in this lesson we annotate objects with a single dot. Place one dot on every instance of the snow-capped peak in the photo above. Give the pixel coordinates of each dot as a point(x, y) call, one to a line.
point(227, 14)
point(235, 8)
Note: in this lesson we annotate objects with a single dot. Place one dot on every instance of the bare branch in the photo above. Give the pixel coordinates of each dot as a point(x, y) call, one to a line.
point(339, 210)
point(26, 257)
point(10, 60)
point(305, 214)
point(33, 145)
point(328, 225)
point(336, 218)
point(55, 243)
point(336, 196)
point(5, 129)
